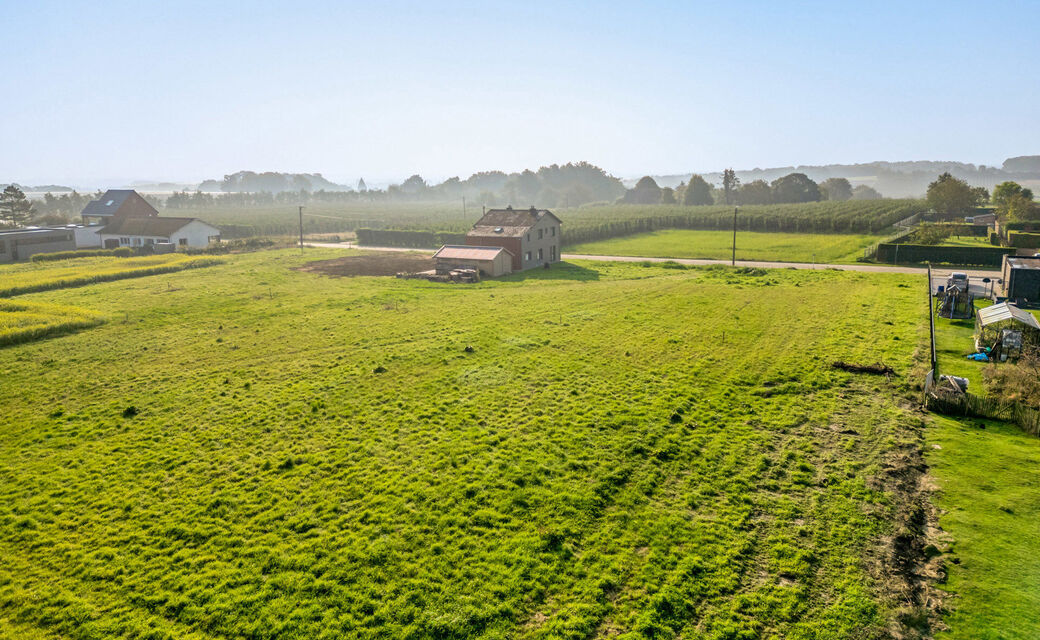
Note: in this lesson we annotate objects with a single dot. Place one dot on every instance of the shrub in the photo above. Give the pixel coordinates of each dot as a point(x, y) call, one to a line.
point(121, 252)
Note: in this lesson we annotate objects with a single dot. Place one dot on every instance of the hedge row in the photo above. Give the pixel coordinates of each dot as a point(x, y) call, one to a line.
point(408, 239)
point(121, 252)
point(1024, 240)
point(914, 253)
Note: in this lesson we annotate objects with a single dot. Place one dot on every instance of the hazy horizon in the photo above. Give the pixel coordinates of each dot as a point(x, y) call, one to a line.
point(184, 92)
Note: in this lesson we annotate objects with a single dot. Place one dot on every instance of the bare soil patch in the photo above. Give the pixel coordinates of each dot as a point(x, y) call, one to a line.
point(370, 264)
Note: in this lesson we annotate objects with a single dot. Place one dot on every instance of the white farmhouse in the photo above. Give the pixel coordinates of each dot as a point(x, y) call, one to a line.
point(145, 231)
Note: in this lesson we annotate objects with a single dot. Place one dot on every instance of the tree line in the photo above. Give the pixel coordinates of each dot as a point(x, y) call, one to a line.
point(788, 189)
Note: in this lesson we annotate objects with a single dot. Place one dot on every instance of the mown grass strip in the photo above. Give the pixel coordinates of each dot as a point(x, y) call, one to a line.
point(22, 322)
point(30, 282)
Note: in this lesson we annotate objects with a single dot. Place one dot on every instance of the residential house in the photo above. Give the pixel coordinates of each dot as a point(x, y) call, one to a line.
point(117, 203)
point(532, 236)
point(142, 232)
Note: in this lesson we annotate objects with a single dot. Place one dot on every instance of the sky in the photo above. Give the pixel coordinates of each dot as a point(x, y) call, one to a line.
point(104, 94)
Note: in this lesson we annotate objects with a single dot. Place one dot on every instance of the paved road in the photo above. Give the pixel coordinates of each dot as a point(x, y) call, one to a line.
point(938, 275)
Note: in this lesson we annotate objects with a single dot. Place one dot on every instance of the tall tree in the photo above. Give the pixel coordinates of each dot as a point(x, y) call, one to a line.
point(863, 192)
point(730, 184)
point(698, 192)
point(950, 196)
point(667, 195)
point(755, 192)
point(1019, 208)
point(646, 191)
point(361, 186)
point(1004, 191)
point(836, 189)
point(795, 187)
point(15, 208)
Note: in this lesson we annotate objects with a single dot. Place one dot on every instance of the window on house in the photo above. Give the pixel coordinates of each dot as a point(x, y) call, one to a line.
point(182, 242)
point(528, 237)
point(540, 231)
point(540, 257)
point(554, 232)
point(124, 241)
point(3, 247)
point(137, 242)
point(527, 256)
point(552, 253)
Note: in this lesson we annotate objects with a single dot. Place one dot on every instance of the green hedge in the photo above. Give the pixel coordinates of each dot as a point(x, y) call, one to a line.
point(1023, 239)
point(121, 252)
point(1020, 226)
point(915, 253)
point(408, 239)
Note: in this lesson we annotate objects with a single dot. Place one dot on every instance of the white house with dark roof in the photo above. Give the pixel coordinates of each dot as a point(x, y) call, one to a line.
point(140, 232)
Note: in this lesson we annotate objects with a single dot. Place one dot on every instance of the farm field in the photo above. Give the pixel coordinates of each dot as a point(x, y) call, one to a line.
point(256, 450)
point(782, 247)
point(587, 223)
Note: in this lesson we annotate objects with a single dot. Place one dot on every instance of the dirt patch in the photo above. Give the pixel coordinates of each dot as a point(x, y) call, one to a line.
point(911, 564)
point(371, 264)
point(877, 368)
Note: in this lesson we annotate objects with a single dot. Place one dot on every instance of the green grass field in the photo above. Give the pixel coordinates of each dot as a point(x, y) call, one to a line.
point(223, 459)
point(28, 277)
point(965, 241)
point(641, 451)
point(781, 247)
point(27, 321)
point(989, 490)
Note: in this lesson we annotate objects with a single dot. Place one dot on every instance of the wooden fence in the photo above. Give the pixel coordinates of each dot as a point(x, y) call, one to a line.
point(969, 404)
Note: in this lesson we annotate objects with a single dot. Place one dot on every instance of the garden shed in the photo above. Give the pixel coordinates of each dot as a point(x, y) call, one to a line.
point(1003, 328)
point(491, 261)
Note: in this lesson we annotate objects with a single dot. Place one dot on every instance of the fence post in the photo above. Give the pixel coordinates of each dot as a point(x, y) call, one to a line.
point(931, 323)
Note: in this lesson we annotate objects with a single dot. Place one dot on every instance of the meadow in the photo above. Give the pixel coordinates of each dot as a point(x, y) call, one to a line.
point(717, 245)
point(253, 451)
point(28, 277)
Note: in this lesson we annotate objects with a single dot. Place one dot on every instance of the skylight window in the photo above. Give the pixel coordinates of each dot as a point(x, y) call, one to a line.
point(499, 229)
point(109, 203)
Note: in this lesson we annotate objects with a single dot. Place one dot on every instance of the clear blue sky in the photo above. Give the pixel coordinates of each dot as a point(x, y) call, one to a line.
point(102, 93)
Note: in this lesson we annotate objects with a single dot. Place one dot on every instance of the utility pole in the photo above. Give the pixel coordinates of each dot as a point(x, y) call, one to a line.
point(733, 261)
point(301, 228)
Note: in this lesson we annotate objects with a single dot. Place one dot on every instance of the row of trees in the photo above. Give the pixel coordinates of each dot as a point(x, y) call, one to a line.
point(792, 188)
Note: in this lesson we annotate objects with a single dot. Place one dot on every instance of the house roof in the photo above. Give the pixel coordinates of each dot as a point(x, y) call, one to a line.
point(1023, 262)
point(151, 226)
point(1006, 311)
point(510, 217)
point(499, 232)
point(466, 252)
point(108, 204)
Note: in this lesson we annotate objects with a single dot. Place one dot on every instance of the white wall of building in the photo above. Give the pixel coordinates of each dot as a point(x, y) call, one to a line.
point(194, 234)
